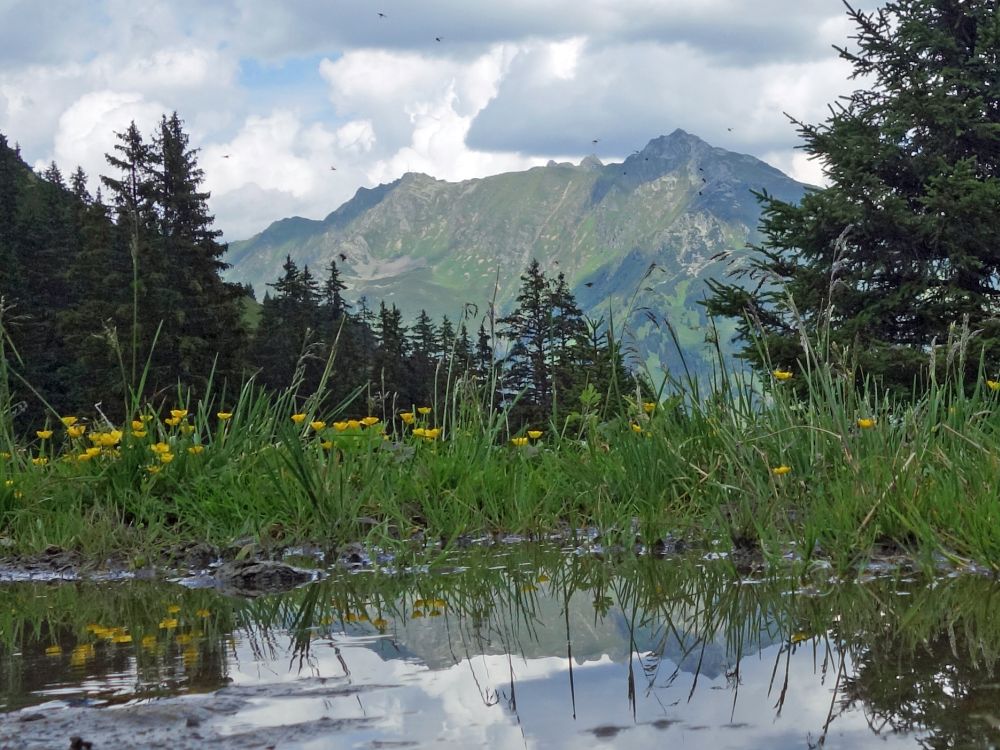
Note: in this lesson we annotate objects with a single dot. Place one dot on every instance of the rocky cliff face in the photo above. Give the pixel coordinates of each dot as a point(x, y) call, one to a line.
point(636, 236)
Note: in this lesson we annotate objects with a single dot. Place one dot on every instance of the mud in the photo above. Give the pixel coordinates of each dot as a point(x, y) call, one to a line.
point(186, 723)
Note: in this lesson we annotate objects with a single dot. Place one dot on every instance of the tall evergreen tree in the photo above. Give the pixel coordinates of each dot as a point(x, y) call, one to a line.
point(528, 329)
point(390, 372)
point(902, 245)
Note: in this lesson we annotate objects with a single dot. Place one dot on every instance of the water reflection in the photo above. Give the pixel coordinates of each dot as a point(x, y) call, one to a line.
point(529, 648)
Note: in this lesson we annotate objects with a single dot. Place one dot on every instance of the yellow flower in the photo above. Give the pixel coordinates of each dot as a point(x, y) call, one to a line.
point(865, 423)
point(317, 425)
point(369, 421)
point(178, 413)
point(780, 374)
point(298, 418)
point(187, 429)
point(534, 434)
point(380, 623)
point(168, 624)
point(173, 609)
point(419, 432)
point(194, 450)
point(146, 417)
point(53, 650)
point(424, 410)
point(326, 445)
point(172, 421)
point(993, 385)
point(353, 424)
point(635, 427)
point(416, 613)
point(432, 434)
point(123, 638)
point(648, 406)
point(340, 426)
point(153, 469)
point(8, 483)
point(149, 641)
point(44, 434)
point(518, 441)
point(5, 455)
point(407, 417)
point(68, 421)
point(203, 613)
point(440, 603)
point(109, 439)
point(780, 470)
point(160, 447)
point(139, 433)
point(166, 458)
point(224, 415)
point(39, 460)
point(138, 424)
point(76, 431)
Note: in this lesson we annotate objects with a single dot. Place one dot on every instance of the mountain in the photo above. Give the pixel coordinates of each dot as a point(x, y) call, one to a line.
point(424, 243)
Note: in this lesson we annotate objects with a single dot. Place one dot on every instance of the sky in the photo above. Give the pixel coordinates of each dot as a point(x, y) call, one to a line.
point(296, 104)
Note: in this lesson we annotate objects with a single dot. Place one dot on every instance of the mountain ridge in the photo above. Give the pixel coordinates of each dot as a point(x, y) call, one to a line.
point(425, 243)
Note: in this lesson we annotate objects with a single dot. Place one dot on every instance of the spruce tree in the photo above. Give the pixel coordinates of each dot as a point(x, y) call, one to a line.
point(902, 245)
point(528, 330)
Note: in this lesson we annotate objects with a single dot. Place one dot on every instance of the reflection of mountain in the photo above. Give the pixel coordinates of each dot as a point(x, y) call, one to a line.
point(539, 630)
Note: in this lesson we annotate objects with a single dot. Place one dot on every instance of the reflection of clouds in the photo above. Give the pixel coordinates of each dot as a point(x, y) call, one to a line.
point(454, 703)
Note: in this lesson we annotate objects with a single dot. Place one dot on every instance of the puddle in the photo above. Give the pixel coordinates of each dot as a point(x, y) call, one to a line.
point(523, 648)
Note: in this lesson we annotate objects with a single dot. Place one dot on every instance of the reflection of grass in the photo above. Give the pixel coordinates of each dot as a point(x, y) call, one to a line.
point(672, 611)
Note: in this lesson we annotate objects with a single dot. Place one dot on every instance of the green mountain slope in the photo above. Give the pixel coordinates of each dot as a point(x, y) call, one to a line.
point(423, 243)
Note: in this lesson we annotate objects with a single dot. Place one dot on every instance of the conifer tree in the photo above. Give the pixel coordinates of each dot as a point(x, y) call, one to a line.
point(390, 372)
point(902, 244)
point(527, 328)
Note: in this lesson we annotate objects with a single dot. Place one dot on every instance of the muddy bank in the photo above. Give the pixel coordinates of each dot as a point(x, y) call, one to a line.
point(186, 723)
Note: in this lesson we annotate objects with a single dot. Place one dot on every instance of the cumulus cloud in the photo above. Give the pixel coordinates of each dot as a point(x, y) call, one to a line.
point(509, 85)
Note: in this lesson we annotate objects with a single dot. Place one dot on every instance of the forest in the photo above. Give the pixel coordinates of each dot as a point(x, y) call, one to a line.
point(118, 298)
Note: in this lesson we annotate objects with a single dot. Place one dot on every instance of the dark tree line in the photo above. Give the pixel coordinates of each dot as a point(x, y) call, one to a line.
point(121, 293)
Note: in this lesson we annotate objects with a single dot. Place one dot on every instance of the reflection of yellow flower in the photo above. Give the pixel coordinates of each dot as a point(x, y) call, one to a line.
point(224, 415)
point(424, 410)
point(168, 624)
point(53, 650)
point(781, 470)
point(379, 623)
point(518, 441)
point(298, 418)
point(68, 421)
point(44, 434)
point(534, 434)
point(780, 374)
point(416, 613)
point(866, 423)
point(122, 638)
point(149, 641)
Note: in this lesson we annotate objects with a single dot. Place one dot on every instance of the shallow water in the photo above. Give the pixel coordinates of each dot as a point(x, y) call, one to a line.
point(525, 648)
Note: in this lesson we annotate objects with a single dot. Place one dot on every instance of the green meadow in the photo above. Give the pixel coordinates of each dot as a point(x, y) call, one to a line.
point(800, 464)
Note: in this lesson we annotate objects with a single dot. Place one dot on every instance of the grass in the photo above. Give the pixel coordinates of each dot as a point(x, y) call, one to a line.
point(863, 473)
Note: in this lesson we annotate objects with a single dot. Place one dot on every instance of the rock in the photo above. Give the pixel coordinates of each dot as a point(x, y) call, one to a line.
point(250, 577)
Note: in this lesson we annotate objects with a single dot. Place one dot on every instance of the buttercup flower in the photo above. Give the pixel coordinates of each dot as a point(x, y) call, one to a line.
point(369, 421)
point(518, 441)
point(68, 421)
point(76, 430)
point(407, 417)
point(648, 406)
point(424, 410)
point(534, 434)
point(178, 413)
point(865, 423)
point(298, 418)
point(317, 425)
point(780, 374)
point(781, 470)
point(224, 415)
